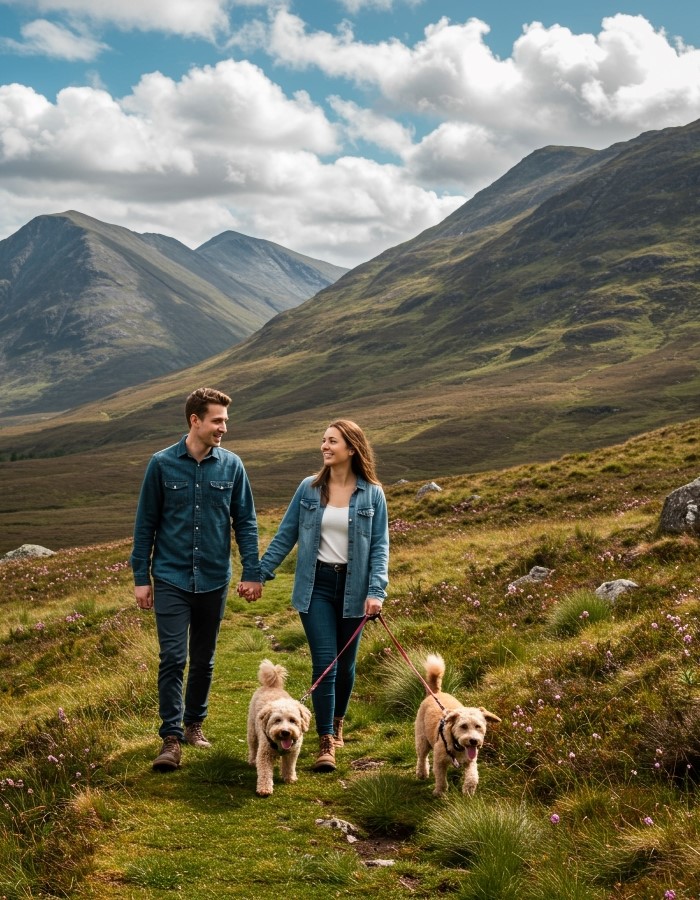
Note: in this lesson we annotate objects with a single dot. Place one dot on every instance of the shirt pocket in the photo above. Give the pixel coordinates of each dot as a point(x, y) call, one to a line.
point(307, 513)
point(220, 493)
point(177, 493)
point(365, 517)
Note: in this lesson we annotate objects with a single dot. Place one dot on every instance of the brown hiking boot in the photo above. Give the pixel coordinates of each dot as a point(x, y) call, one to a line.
point(338, 731)
point(169, 758)
point(325, 761)
point(195, 736)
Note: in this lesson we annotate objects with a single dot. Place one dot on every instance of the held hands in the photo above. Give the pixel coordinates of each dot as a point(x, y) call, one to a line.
point(250, 590)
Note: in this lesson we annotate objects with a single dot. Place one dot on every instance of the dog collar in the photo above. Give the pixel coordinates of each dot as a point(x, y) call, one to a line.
point(441, 732)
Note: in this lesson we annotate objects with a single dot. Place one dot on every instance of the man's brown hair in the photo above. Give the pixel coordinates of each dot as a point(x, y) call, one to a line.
point(198, 402)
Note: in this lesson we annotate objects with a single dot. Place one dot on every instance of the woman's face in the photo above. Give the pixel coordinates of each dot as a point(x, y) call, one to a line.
point(334, 448)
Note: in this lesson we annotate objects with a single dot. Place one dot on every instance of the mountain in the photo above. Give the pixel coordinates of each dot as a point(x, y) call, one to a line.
point(566, 319)
point(88, 308)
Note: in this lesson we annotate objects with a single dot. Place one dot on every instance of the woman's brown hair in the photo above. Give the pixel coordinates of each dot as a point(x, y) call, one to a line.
point(362, 460)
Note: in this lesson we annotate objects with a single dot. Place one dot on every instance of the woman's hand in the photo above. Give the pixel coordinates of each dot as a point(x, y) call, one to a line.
point(372, 606)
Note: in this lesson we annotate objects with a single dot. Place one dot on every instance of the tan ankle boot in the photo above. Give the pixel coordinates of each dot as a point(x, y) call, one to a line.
point(325, 761)
point(338, 731)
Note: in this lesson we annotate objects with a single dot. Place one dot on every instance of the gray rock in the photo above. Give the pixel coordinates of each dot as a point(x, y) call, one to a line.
point(28, 551)
point(611, 590)
point(379, 863)
point(428, 488)
point(534, 576)
point(681, 510)
point(340, 824)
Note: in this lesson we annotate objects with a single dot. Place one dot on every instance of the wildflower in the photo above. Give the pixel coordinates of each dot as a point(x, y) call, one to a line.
point(657, 765)
point(687, 638)
point(596, 736)
point(584, 615)
point(669, 895)
point(554, 819)
point(654, 625)
point(648, 820)
point(572, 755)
point(39, 626)
point(52, 759)
point(61, 714)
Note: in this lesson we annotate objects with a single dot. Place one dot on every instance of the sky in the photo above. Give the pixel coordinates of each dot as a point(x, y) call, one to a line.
point(337, 128)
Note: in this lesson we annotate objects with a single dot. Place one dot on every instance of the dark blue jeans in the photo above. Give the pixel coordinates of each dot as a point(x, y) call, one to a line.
point(327, 633)
point(188, 626)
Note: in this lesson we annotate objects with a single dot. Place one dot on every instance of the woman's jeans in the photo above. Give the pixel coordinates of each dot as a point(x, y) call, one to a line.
point(187, 624)
point(327, 633)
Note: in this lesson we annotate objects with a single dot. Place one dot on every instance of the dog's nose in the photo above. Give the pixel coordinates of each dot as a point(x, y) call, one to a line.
point(284, 734)
point(474, 742)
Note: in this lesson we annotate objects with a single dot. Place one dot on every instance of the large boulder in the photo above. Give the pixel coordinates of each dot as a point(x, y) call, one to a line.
point(611, 590)
point(681, 510)
point(27, 551)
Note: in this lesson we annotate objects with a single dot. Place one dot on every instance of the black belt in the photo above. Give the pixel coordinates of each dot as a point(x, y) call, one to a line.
point(337, 567)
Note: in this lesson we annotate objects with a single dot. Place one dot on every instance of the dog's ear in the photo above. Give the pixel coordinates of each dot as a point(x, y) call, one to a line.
point(489, 716)
point(264, 714)
point(452, 716)
point(305, 714)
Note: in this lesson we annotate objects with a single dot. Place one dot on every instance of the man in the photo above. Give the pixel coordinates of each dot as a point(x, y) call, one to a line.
point(193, 494)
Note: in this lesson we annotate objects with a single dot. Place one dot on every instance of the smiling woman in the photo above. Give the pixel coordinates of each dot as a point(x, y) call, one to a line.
point(339, 521)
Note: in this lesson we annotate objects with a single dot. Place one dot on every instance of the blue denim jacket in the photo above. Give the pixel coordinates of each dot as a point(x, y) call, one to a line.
point(184, 519)
point(368, 545)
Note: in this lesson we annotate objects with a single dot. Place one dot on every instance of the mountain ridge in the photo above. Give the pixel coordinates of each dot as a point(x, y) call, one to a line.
point(88, 308)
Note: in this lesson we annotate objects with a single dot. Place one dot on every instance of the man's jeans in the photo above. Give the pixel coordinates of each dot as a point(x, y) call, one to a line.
point(184, 618)
point(327, 633)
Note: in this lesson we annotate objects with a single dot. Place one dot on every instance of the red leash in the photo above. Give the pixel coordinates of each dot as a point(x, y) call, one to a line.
point(323, 674)
point(398, 646)
point(403, 653)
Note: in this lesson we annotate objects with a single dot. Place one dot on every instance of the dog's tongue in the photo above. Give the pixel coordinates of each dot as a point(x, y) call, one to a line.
point(471, 752)
point(286, 743)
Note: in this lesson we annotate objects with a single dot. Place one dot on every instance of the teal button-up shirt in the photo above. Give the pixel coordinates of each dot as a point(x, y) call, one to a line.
point(185, 515)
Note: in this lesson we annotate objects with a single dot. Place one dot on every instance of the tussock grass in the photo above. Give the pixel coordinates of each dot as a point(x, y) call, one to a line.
point(578, 610)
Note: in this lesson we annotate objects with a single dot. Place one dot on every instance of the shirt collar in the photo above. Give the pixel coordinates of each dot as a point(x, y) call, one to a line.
point(183, 451)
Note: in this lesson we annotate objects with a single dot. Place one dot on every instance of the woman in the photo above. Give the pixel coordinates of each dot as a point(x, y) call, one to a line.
point(338, 517)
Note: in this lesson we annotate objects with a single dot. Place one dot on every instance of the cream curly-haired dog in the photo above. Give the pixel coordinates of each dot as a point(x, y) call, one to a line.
point(455, 735)
point(276, 727)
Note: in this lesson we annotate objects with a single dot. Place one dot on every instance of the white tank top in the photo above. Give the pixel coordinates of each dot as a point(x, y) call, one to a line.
point(334, 535)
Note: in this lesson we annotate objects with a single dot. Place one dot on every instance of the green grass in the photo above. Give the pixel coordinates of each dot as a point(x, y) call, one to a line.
point(588, 787)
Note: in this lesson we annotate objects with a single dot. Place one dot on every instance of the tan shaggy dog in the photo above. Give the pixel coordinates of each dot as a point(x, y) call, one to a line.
point(455, 735)
point(276, 727)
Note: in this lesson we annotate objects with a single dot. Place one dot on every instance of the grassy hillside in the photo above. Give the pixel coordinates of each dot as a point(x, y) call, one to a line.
point(588, 786)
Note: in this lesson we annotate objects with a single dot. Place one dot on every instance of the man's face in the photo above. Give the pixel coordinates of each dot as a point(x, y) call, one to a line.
point(211, 429)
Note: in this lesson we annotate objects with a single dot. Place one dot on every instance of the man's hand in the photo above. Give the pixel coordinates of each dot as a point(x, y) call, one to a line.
point(144, 596)
point(250, 590)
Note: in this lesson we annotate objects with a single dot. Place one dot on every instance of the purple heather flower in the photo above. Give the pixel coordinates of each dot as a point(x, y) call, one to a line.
point(554, 819)
point(670, 895)
point(648, 820)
